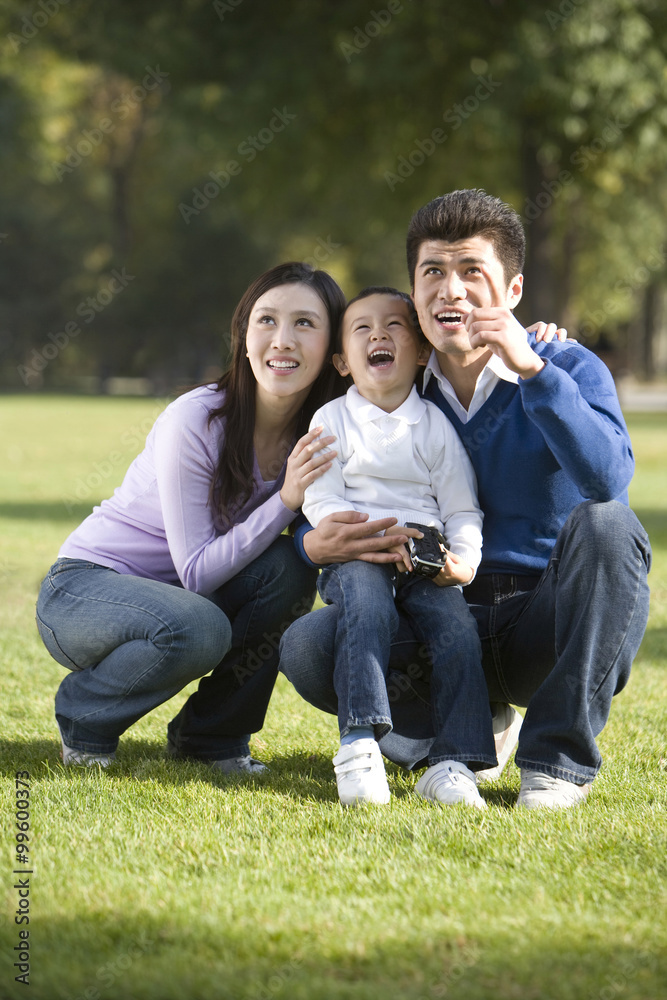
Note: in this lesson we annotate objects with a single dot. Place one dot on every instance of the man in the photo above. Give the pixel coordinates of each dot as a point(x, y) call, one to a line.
point(560, 598)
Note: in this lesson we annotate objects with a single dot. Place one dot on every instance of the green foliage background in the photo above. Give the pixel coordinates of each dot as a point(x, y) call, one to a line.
point(559, 108)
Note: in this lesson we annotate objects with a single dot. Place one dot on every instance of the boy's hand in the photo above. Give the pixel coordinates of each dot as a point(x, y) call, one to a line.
point(404, 566)
point(455, 571)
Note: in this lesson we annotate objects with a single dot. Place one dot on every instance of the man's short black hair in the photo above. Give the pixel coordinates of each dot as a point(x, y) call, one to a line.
point(463, 214)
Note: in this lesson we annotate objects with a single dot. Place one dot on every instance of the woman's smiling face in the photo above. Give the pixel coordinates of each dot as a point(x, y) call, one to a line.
point(288, 339)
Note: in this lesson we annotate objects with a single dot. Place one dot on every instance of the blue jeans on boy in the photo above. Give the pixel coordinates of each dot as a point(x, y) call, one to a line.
point(131, 644)
point(562, 643)
point(367, 598)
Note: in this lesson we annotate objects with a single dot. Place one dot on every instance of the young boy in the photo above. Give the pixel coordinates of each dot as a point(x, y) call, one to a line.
point(399, 456)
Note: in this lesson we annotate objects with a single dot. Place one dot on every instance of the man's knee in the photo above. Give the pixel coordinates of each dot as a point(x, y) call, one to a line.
point(603, 517)
point(307, 646)
point(306, 657)
point(607, 526)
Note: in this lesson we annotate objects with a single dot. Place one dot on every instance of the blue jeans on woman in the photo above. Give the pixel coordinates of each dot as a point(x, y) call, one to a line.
point(561, 643)
point(367, 598)
point(131, 644)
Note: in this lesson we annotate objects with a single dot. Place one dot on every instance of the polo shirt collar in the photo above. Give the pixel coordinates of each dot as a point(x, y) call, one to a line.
point(410, 411)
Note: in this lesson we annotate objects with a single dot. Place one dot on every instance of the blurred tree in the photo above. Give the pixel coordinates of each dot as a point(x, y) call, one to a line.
point(228, 135)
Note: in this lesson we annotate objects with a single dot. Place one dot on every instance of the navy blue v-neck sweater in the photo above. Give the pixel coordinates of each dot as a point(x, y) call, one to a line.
point(539, 448)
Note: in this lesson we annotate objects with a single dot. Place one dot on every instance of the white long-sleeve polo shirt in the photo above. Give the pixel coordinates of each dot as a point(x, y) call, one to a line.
point(408, 464)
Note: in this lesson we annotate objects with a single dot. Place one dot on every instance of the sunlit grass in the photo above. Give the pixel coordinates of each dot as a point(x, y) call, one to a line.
point(162, 880)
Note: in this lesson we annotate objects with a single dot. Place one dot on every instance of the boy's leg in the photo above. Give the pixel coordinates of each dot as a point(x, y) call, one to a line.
point(366, 621)
point(216, 721)
point(130, 643)
point(462, 722)
point(307, 659)
point(364, 597)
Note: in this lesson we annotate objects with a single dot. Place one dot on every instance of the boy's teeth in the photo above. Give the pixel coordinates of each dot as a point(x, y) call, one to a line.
point(380, 355)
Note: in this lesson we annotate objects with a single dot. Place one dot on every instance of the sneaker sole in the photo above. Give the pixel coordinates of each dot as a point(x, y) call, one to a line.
point(481, 804)
point(523, 804)
point(361, 801)
point(86, 761)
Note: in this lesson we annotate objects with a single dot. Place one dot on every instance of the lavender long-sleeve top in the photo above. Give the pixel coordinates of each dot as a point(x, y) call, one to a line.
point(158, 524)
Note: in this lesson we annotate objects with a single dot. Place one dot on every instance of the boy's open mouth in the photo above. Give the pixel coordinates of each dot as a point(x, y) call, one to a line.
point(380, 358)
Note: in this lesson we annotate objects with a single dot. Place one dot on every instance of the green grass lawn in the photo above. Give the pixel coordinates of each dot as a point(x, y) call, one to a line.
point(161, 880)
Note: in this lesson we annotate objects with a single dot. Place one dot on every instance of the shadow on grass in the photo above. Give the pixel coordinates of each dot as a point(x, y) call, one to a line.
point(298, 774)
point(171, 956)
point(47, 510)
point(303, 773)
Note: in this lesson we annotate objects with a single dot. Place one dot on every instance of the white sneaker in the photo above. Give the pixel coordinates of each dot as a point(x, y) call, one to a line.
point(449, 783)
point(239, 765)
point(543, 790)
point(71, 755)
point(360, 774)
point(506, 728)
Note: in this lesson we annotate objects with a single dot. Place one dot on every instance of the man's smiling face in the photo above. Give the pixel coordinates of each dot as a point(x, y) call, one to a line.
point(452, 279)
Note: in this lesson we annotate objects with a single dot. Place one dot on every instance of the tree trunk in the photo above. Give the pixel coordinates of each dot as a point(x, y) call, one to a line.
point(540, 300)
point(649, 330)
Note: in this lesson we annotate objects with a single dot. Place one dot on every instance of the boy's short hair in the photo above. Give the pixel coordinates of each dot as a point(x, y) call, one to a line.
point(463, 214)
point(365, 293)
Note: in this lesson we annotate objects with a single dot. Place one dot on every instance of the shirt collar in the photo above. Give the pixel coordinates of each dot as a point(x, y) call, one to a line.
point(494, 366)
point(410, 411)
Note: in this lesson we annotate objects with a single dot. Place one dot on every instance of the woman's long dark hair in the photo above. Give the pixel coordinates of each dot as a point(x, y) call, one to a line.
point(233, 481)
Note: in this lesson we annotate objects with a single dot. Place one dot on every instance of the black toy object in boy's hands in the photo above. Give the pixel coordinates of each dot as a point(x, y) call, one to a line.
point(429, 554)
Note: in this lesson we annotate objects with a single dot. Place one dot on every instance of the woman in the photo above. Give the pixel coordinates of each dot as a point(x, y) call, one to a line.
point(185, 569)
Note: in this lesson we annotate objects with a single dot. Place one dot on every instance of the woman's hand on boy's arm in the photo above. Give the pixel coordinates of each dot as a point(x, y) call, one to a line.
point(456, 571)
point(309, 458)
point(348, 534)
